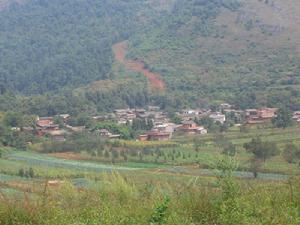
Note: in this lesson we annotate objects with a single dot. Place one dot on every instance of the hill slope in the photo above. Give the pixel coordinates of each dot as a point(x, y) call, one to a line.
point(246, 52)
point(205, 52)
point(47, 45)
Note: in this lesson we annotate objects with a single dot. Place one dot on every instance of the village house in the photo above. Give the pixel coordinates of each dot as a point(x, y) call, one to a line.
point(57, 135)
point(166, 127)
point(106, 134)
point(155, 135)
point(224, 106)
point(296, 116)
point(102, 118)
point(160, 117)
point(218, 117)
point(263, 115)
point(45, 121)
point(190, 114)
point(190, 127)
point(124, 116)
point(153, 108)
point(45, 125)
point(76, 129)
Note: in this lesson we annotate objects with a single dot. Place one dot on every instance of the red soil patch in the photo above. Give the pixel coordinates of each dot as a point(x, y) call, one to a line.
point(135, 65)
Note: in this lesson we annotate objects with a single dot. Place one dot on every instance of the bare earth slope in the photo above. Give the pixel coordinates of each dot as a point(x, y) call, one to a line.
point(155, 80)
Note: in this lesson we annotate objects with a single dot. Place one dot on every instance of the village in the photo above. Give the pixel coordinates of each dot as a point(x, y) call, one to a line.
point(162, 126)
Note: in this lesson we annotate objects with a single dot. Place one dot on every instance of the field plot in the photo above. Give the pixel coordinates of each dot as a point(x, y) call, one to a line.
point(47, 161)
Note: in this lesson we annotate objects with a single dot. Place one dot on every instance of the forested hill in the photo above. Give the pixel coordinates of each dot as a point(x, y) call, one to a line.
point(205, 51)
point(245, 52)
point(49, 44)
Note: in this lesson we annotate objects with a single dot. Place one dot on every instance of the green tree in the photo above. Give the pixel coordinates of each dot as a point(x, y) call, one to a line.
point(59, 121)
point(261, 152)
point(31, 172)
point(175, 118)
point(291, 153)
point(229, 149)
point(283, 118)
point(13, 119)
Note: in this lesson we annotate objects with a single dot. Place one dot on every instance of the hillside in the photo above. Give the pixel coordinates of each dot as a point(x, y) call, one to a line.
point(246, 52)
point(47, 45)
point(198, 52)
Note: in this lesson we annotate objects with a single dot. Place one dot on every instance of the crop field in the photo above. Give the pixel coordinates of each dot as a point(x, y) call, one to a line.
point(47, 161)
point(183, 160)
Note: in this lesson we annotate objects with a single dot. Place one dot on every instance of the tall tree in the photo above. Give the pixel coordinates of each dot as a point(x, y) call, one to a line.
point(283, 118)
point(261, 152)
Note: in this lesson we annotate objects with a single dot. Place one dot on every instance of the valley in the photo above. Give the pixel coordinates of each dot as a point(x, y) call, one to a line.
point(149, 112)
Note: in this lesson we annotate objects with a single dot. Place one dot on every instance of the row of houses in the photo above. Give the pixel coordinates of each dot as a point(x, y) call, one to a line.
point(166, 131)
point(163, 129)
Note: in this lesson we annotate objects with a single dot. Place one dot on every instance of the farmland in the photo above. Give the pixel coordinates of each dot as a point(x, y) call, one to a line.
point(189, 154)
point(189, 175)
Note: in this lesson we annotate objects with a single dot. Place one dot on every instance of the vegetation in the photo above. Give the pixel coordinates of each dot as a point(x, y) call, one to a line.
point(261, 152)
point(202, 63)
point(283, 118)
point(57, 57)
point(291, 153)
point(114, 199)
point(170, 195)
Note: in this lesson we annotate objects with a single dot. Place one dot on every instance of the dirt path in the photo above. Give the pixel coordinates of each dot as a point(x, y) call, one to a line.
point(155, 80)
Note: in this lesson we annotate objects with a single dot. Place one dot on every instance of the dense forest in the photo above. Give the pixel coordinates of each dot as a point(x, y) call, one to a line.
point(47, 45)
point(56, 56)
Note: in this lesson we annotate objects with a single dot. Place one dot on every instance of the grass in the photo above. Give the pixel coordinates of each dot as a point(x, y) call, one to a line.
point(43, 160)
point(116, 199)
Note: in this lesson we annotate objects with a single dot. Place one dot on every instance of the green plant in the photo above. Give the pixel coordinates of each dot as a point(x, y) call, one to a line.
point(159, 217)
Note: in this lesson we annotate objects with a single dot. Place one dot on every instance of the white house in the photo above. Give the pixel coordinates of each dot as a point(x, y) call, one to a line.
point(218, 117)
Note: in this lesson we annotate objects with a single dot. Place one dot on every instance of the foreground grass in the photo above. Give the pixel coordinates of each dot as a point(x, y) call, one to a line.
point(117, 199)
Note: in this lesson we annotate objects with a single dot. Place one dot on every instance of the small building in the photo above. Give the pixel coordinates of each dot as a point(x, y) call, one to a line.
point(218, 117)
point(190, 127)
point(106, 134)
point(263, 115)
point(76, 129)
point(296, 116)
point(143, 137)
point(153, 108)
point(155, 135)
point(201, 130)
point(224, 106)
point(45, 121)
point(57, 135)
point(166, 127)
